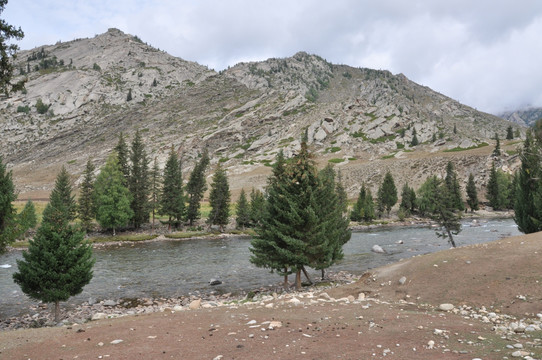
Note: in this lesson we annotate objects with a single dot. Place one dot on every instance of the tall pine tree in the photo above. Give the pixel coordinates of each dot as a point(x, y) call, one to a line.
point(242, 211)
point(472, 194)
point(27, 218)
point(63, 191)
point(387, 194)
point(219, 199)
point(454, 190)
point(139, 182)
point(155, 188)
point(8, 223)
point(86, 197)
point(172, 199)
point(257, 206)
point(123, 154)
point(196, 187)
point(58, 263)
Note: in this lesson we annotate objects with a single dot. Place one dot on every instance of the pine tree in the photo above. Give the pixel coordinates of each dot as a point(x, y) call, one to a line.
point(257, 206)
point(196, 188)
point(122, 155)
point(472, 194)
point(8, 226)
point(509, 133)
point(528, 188)
point(58, 263)
point(387, 194)
point(454, 190)
point(342, 197)
point(8, 53)
point(155, 188)
point(492, 189)
point(86, 197)
point(368, 207)
point(112, 197)
point(408, 199)
point(27, 219)
point(139, 182)
point(63, 191)
point(497, 150)
point(414, 141)
point(498, 189)
point(172, 199)
point(242, 211)
point(219, 199)
point(129, 96)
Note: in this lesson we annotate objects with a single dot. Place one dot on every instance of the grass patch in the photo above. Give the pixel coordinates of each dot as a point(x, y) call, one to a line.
point(187, 234)
point(131, 238)
point(335, 160)
point(388, 156)
point(333, 149)
point(455, 149)
point(382, 139)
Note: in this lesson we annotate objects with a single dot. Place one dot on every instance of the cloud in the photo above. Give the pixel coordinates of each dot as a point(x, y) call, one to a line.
point(483, 53)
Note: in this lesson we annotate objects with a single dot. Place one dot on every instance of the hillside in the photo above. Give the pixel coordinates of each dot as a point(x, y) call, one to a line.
point(361, 119)
point(526, 117)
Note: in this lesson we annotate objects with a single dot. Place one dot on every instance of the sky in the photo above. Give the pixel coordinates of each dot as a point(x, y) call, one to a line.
point(483, 53)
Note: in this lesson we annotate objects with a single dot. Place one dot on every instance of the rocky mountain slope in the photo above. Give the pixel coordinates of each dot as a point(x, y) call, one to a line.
point(81, 94)
point(526, 117)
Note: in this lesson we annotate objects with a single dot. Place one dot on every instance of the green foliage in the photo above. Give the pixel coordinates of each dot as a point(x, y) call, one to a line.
point(8, 228)
point(312, 94)
point(27, 218)
point(472, 194)
point(8, 51)
point(61, 196)
point(363, 209)
point(527, 185)
point(498, 189)
point(23, 109)
point(408, 200)
point(387, 194)
point(138, 183)
point(333, 149)
point(155, 183)
point(414, 141)
point(456, 149)
point(196, 188)
point(96, 67)
point(219, 199)
point(122, 157)
point(497, 150)
point(86, 197)
point(336, 161)
point(257, 204)
point(58, 263)
point(129, 96)
point(172, 199)
point(112, 197)
point(452, 185)
point(41, 108)
point(509, 133)
point(242, 211)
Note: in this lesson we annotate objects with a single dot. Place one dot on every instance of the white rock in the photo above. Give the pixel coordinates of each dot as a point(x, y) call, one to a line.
point(445, 307)
point(269, 306)
point(110, 303)
point(402, 280)
point(520, 353)
point(251, 322)
point(115, 342)
point(219, 357)
point(361, 296)
point(177, 308)
point(99, 316)
point(294, 301)
point(430, 344)
point(377, 249)
point(195, 304)
point(274, 325)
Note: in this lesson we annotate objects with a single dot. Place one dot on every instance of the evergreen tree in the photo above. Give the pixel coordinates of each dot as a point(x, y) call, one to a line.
point(414, 141)
point(172, 200)
point(387, 194)
point(368, 213)
point(63, 191)
point(472, 194)
point(408, 199)
point(86, 197)
point(363, 209)
point(129, 96)
point(122, 155)
point(155, 188)
point(342, 197)
point(509, 133)
point(454, 190)
point(8, 228)
point(257, 206)
point(139, 182)
point(219, 199)
point(196, 188)
point(112, 197)
point(497, 150)
point(8, 53)
point(492, 189)
point(436, 202)
point(528, 188)
point(58, 263)
point(27, 218)
point(498, 189)
point(242, 211)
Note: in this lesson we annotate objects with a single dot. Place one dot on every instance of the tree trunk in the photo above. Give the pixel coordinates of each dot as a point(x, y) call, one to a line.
point(298, 280)
point(306, 274)
point(57, 311)
point(152, 220)
point(169, 224)
point(286, 283)
point(113, 231)
point(323, 274)
point(451, 240)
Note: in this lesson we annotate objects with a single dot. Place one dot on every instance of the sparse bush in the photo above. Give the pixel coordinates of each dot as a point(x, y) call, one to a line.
point(96, 67)
point(23, 109)
point(41, 107)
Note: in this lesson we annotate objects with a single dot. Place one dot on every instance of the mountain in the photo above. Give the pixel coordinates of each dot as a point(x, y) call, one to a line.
point(81, 94)
point(526, 117)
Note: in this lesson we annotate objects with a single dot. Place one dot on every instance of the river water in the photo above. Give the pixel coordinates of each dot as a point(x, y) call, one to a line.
point(175, 268)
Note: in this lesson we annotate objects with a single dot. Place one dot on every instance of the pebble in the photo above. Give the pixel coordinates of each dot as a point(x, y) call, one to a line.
point(115, 342)
point(402, 280)
point(445, 307)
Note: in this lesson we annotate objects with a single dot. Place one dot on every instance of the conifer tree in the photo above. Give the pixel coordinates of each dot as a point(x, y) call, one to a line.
point(139, 181)
point(112, 197)
point(8, 228)
point(363, 209)
point(498, 189)
point(58, 262)
point(342, 197)
point(155, 188)
point(27, 218)
point(219, 199)
point(414, 141)
point(257, 206)
point(472, 194)
point(172, 199)
point(368, 207)
point(387, 194)
point(196, 187)
point(528, 187)
point(242, 211)
point(63, 191)
point(8, 53)
point(123, 155)
point(86, 197)
point(509, 133)
point(408, 199)
point(453, 187)
point(497, 150)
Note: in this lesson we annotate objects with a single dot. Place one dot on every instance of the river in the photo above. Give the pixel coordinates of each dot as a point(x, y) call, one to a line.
point(175, 268)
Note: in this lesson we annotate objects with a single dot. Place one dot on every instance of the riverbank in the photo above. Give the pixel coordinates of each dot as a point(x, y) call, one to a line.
point(473, 302)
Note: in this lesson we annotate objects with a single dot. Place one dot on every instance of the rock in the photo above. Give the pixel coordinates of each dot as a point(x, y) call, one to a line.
point(351, 298)
point(213, 282)
point(251, 322)
point(91, 301)
point(294, 301)
point(115, 342)
point(99, 316)
point(378, 249)
point(269, 306)
point(520, 353)
point(274, 325)
point(178, 308)
point(219, 357)
point(445, 307)
point(110, 303)
point(361, 296)
point(325, 296)
point(402, 280)
point(195, 304)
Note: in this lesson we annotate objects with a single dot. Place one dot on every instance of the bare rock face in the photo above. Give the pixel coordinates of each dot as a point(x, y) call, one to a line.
point(81, 94)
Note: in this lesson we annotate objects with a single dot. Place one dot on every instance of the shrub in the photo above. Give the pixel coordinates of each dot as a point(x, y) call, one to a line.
point(23, 109)
point(41, 107)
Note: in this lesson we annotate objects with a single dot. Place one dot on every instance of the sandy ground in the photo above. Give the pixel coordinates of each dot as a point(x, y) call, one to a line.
point(396, 320)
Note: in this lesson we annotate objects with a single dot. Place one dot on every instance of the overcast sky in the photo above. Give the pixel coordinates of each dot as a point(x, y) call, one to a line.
point(484, 53)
